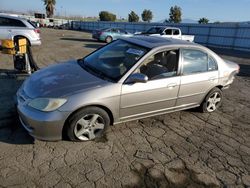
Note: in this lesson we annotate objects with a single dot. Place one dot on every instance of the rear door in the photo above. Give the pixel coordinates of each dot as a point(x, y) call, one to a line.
point(199, 75)
point(5, 31)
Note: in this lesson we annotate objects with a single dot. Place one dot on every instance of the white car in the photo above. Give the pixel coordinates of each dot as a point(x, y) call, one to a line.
point(14, 27)
point(168, 32)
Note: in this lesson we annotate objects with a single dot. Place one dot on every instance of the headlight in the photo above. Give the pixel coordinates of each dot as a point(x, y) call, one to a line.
point(46, 104)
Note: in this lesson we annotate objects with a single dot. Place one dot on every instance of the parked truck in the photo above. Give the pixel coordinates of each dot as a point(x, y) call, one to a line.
point(167, 32)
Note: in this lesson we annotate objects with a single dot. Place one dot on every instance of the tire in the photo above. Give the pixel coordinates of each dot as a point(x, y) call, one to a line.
point(108, 39)
point(87, 124)
point(212, 101)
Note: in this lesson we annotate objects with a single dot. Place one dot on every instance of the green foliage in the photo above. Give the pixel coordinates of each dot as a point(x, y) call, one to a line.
point(147, 15)
point(175, 14)
point(133, 17)
point(50, 7)
point(203, 20)
point(107, 16)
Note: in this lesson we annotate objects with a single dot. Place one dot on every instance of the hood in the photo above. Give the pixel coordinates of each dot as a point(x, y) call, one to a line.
point(61, 80)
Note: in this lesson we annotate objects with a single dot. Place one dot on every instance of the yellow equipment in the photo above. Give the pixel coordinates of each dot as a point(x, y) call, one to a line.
point(9, 47)
point(21, 52)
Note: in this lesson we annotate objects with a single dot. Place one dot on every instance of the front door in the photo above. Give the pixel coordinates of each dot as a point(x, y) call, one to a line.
point(158, 94)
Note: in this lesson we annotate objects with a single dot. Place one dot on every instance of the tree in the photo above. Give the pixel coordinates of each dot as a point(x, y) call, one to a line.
point(107, 16)
point(147, 15)
point(203, 20)
point(175, 14)
point(133, 17)
point(49, 6)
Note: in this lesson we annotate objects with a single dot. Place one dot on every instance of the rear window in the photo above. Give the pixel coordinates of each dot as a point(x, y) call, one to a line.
point(32, 23)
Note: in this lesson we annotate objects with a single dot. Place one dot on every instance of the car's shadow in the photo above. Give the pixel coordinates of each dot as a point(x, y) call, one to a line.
point(244, 70)
point(10, 129)
point(90, 43)
point(79, 39)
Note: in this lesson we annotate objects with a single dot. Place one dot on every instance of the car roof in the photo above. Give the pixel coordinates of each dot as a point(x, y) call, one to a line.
point(160, 26)
point(12, 17)
point(155, 41)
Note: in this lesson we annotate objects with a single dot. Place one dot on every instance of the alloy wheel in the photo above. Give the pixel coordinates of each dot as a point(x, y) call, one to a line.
point(89, 127)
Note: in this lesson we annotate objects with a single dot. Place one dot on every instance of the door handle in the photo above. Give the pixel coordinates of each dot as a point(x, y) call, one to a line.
point(172, 85)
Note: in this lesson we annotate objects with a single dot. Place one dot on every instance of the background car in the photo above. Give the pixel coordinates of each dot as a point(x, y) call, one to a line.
point(128, 79)
point(167, 32)
point(110, 34)
point(14, 27)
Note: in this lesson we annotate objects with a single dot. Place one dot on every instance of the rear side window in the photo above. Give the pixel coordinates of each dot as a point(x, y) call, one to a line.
point(176, 32)
point(11, 22)
point(194, 61)
point(212, 64)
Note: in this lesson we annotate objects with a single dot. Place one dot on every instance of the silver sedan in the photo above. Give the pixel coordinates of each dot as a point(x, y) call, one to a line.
point(125, 80)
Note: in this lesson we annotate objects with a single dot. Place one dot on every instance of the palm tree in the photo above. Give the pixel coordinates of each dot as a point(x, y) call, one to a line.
point(49, 6)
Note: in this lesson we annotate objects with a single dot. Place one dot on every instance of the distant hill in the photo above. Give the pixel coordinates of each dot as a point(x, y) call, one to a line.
point(189, 21)
point(183, 21)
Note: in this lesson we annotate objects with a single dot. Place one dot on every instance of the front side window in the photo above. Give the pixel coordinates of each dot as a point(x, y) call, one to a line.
point(155, 30)
point(168, 32)
point(194, 61)
point(114, 60)
point(160, 65)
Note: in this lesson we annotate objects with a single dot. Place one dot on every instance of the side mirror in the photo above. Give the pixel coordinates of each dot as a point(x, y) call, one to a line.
point(162, 33)
point(137, 78)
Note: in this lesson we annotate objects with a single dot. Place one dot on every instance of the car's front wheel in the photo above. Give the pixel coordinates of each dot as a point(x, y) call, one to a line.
point(87, 124)
point(212, 101)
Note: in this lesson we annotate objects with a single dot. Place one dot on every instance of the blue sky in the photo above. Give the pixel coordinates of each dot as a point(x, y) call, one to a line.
point(214, 10)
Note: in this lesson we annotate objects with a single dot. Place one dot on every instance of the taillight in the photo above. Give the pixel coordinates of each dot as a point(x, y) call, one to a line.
point(238, 69)
point(37, 31)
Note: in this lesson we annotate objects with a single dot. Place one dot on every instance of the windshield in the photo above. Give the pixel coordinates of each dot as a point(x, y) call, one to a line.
point(114, 60)
point(155, 30)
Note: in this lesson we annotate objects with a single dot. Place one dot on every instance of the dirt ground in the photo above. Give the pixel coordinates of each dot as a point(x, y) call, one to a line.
point(181, 149)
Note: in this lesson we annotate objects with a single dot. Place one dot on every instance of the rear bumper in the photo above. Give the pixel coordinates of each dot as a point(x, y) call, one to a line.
point(36, 42)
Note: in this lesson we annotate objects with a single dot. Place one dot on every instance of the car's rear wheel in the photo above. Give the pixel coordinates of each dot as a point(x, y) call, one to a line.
point(88, 124)
point(212, 101)
point(108, 39)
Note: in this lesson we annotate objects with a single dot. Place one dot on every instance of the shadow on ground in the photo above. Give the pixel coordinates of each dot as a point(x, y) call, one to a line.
point(94, 44)
point(10, 129)
point(244, 70)
point(78, 39)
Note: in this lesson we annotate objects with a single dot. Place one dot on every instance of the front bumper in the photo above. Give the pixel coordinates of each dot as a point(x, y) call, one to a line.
point(42, 125)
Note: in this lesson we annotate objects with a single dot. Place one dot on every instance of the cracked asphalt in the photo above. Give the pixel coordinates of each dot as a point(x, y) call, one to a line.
point(181, 149)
